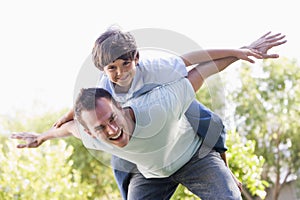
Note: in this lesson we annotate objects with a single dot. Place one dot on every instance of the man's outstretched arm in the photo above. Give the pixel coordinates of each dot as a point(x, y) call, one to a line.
point(33, 140)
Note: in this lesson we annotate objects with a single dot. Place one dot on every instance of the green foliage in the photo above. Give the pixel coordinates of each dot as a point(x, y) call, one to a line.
point(183, 193)
point(44, 173)
point(245, 164)
point(25, 122)
point(212, 94)
point(268, 105)
point(95, 169)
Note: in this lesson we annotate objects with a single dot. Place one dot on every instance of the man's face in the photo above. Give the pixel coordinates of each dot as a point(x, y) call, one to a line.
point(108, 123)
point(121, 72)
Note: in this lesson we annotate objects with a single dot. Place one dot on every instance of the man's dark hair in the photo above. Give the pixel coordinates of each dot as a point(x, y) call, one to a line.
point(86, 101)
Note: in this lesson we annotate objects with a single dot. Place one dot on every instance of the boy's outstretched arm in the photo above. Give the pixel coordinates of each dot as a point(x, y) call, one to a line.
point(203, 56)
point(33, 140)
point(263, 44)
point(258, 49)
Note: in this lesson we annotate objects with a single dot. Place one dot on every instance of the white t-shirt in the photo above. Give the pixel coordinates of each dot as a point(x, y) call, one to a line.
point(163, 140)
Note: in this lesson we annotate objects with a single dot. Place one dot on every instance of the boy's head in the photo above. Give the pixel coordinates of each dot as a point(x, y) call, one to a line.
point(112, 45)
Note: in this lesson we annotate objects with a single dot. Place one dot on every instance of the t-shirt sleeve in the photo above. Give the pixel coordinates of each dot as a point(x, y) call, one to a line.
point(103, 82)
point(163, 70)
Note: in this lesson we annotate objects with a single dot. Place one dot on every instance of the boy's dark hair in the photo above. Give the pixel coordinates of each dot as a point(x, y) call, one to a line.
point(114, 44)
point(86, 101)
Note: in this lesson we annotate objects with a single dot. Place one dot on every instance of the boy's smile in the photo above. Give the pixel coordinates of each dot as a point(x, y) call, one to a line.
point(121, 72)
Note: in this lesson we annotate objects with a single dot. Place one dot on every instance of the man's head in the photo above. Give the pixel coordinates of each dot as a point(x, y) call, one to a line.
point(115, 53)
point(102, 117)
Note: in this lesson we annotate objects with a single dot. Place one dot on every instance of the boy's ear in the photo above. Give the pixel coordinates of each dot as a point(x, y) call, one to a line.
point(136, 59)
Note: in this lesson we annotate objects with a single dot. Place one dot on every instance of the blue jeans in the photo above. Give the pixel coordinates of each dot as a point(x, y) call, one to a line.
point(207, 177)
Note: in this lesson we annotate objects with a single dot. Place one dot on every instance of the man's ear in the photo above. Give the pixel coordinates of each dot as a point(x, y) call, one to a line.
point(88, 132)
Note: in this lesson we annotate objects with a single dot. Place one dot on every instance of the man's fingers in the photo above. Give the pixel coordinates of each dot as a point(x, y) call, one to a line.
point(270, 56)
point(21, 146)
point(273, 36)
point(21, 135)
point(249, 60)
point(265, 35)
point(279, 43)
point(256, 54)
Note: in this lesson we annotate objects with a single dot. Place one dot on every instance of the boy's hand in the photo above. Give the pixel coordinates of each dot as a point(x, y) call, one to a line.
point(60, 122)
point(32, 140)
point(69, 116)
point(266, 42)
point(65, 118)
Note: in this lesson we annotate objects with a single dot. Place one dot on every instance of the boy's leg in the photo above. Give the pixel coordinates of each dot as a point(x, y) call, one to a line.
point(141, 188)
point(208, 178)
point(207, 125)
point(122, 171)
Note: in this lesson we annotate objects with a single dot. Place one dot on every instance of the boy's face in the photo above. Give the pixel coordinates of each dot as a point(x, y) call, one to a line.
point(121, 72)
point(108, 123)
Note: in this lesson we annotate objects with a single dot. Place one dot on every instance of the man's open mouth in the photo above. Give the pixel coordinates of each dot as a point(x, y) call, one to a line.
point(117, 136)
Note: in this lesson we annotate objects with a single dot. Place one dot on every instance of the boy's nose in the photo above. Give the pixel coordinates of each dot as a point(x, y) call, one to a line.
point(119, 71)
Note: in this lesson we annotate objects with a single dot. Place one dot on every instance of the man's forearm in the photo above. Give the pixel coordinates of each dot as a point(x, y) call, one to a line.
point(67, 129)
point(202, 71)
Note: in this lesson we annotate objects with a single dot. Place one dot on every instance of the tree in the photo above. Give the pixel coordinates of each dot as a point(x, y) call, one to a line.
point(267, 111)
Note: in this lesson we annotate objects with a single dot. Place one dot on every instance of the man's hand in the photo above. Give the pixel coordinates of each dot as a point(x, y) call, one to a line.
point(266, 42)
point(32, 140)
point(244, 54)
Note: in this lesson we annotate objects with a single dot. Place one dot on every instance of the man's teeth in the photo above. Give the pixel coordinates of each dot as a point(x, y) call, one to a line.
point(117, 136)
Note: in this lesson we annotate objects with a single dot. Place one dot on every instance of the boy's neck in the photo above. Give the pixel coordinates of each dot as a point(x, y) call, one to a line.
point(121, 89)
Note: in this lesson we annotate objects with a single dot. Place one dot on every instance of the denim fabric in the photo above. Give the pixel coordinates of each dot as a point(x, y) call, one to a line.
point(206, 177)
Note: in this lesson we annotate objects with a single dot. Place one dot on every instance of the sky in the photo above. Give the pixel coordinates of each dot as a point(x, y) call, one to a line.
point(43, 44)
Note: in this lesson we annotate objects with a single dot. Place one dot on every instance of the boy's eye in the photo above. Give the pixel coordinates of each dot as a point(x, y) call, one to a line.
point(111, 68)
point(126, 63)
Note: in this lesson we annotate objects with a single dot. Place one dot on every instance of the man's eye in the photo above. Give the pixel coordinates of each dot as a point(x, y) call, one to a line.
point(99, 129)
point(112, 119)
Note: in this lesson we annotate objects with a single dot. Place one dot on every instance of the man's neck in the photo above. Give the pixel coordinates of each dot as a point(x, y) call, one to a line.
point(130, 118)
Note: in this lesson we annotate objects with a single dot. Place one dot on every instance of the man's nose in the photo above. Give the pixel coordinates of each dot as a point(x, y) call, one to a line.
point(112, 128)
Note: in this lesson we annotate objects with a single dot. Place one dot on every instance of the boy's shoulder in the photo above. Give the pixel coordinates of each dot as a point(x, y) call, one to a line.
point(157, 63)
